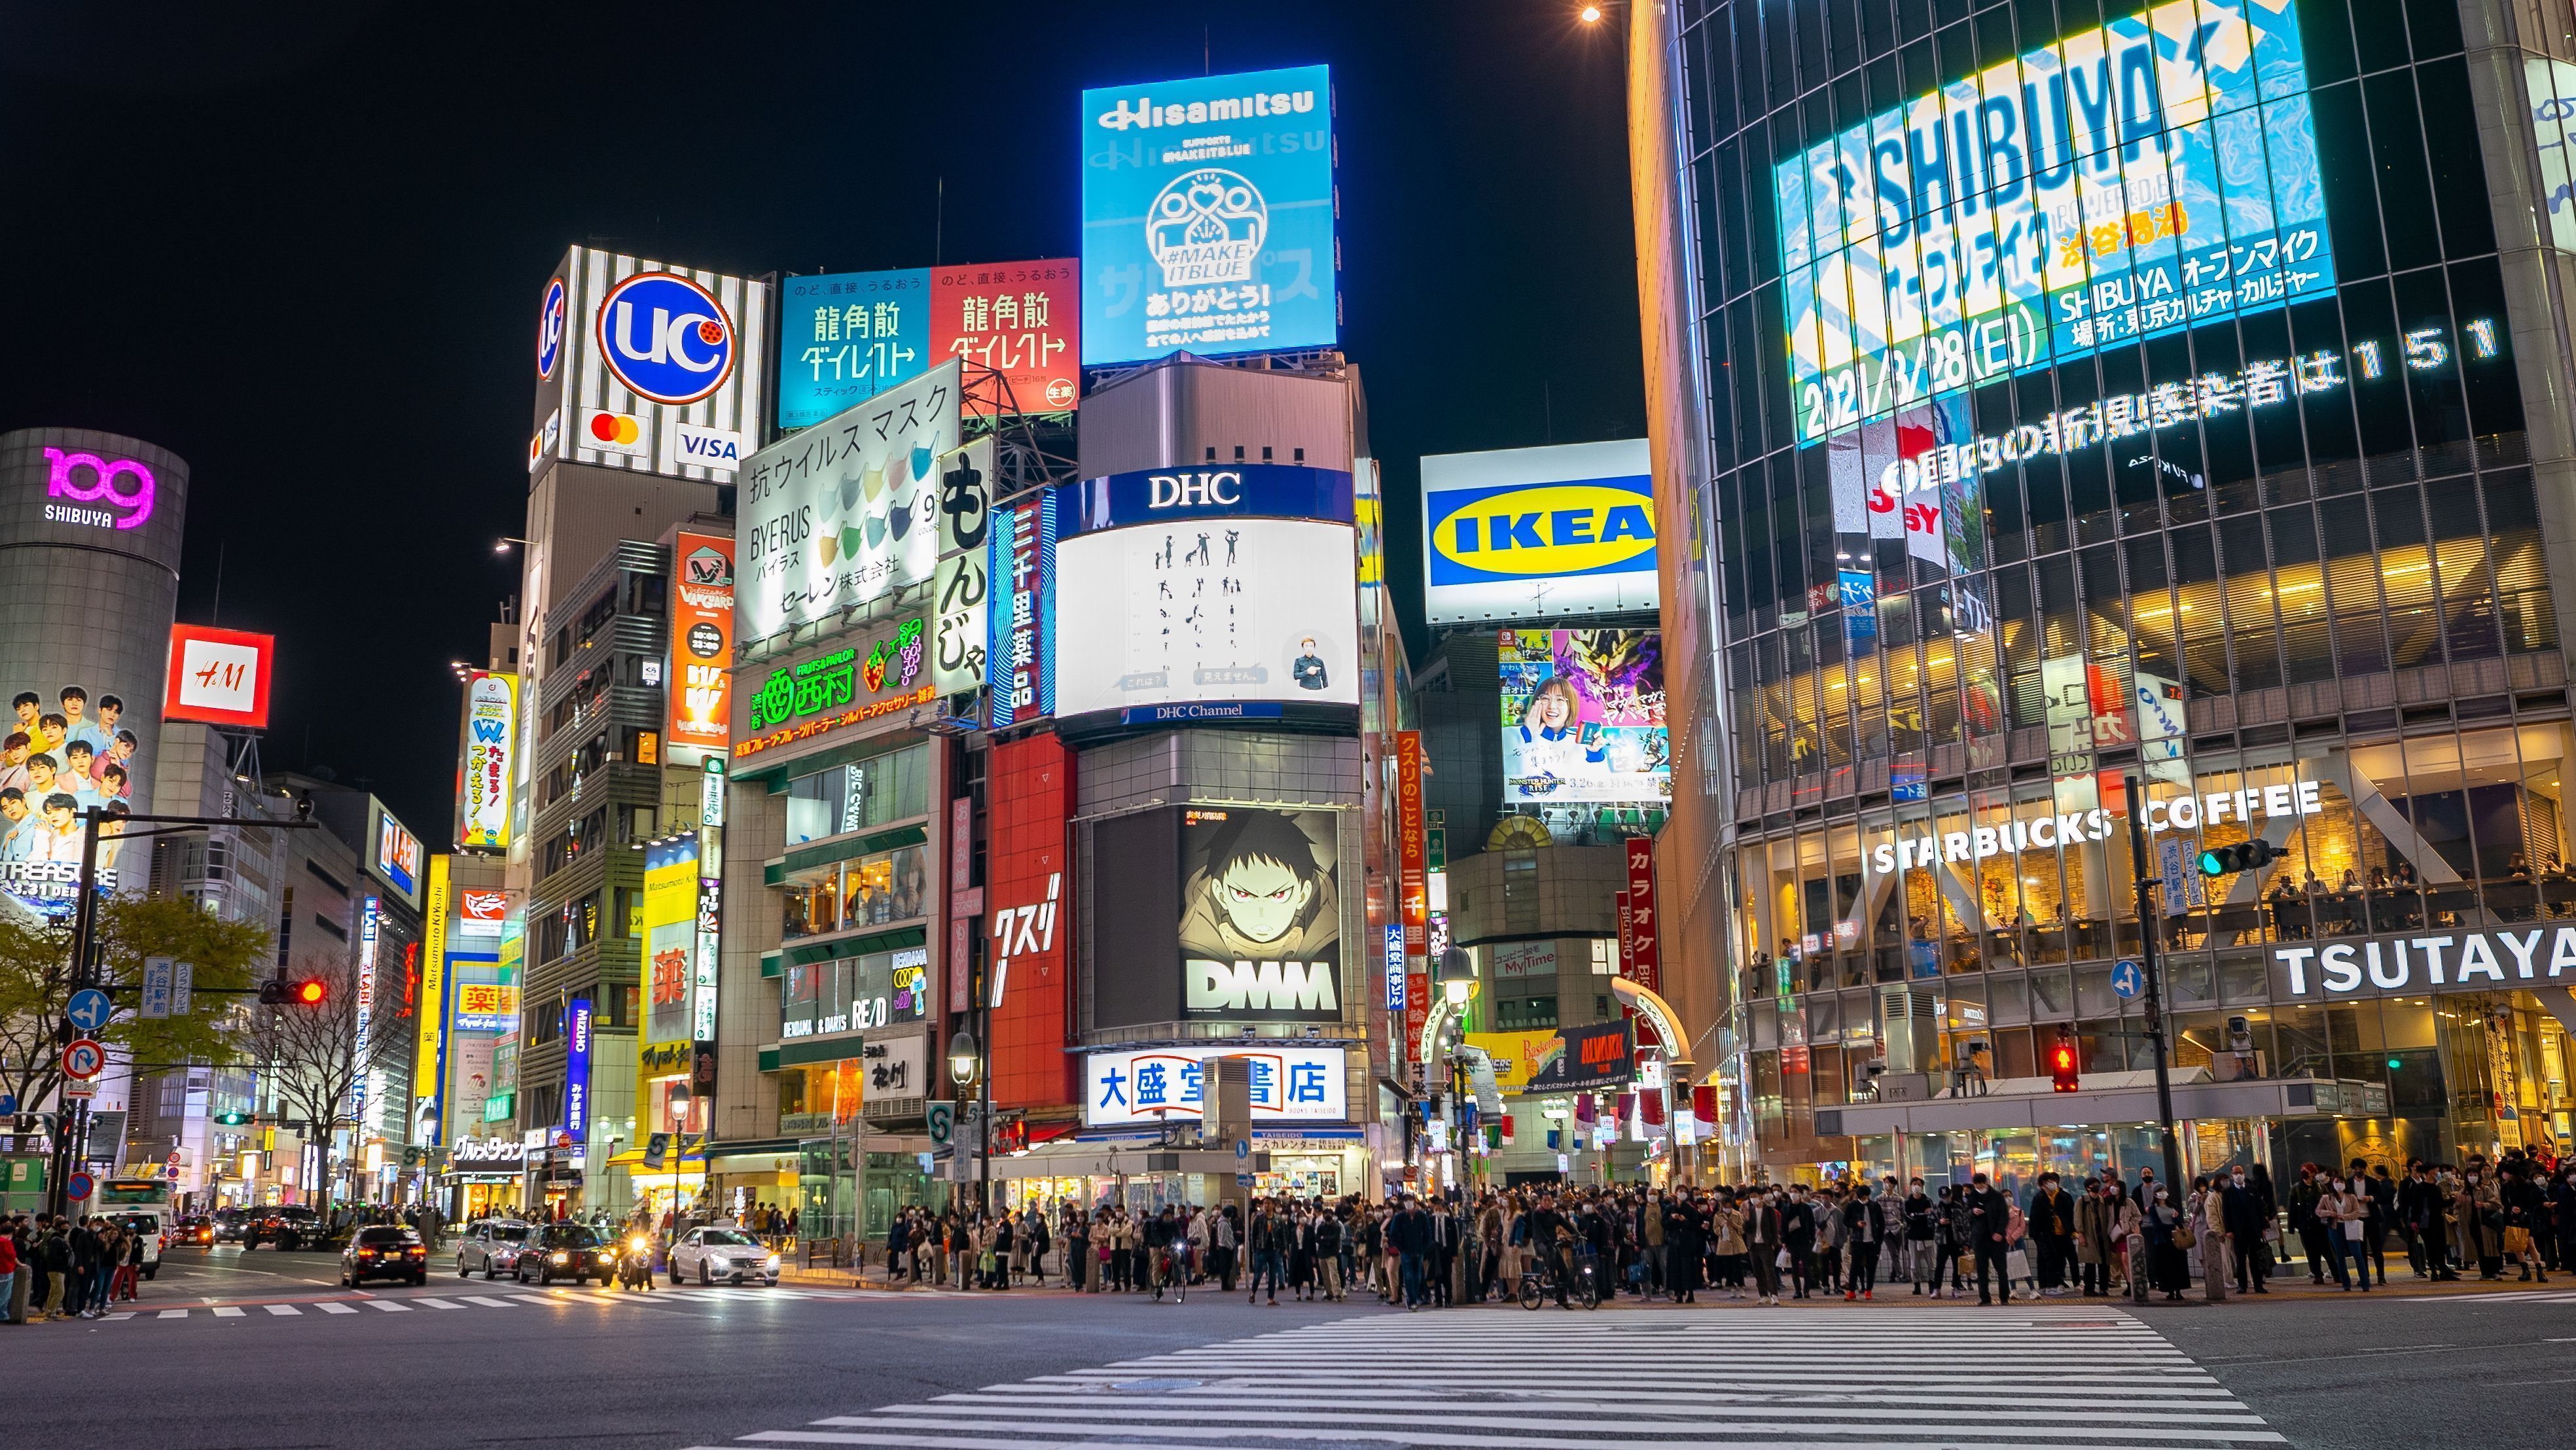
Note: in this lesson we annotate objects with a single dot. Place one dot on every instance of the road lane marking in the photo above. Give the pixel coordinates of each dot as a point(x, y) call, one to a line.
point(283, 1311)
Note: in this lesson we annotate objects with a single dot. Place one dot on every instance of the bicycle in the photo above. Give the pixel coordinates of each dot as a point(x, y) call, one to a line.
point(1539, 1282)
point(1172, 1269)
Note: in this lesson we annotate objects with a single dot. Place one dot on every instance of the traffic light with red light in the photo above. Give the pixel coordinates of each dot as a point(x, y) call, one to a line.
point(282, 993)
point(2062, 1065)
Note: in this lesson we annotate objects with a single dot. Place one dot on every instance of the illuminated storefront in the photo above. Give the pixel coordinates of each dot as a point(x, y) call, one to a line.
point(2199, 444)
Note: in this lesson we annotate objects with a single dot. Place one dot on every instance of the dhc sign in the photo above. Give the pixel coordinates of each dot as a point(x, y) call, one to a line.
point(1243, 490)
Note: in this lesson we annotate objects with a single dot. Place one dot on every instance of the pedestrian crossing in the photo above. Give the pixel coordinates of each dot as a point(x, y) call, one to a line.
point(2546, 1296)
point(2027, 1379)
point(516, 1299)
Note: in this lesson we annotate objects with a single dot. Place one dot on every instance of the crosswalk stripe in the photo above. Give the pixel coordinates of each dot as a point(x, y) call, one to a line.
point(226, 1311)
point(438, 1303)
point(2485, 1298)
point(390, 1306)
point(489, 1301)
point(284, 1311)
point(122, 1314)
point(334, 1306)
point(172, 1314)
point(2112, 1383)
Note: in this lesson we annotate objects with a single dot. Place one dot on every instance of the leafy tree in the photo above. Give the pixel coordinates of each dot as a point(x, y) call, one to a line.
point(36, 986)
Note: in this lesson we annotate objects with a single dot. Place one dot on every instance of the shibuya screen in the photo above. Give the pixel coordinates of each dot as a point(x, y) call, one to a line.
point(2123, 182)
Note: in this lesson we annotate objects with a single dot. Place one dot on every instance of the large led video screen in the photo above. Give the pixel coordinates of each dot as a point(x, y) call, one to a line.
point(2126, 181)
point(1207, 611)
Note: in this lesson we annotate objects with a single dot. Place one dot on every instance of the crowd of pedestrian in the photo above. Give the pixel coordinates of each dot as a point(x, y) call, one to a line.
point(54, 1266)
point(2089, 1235)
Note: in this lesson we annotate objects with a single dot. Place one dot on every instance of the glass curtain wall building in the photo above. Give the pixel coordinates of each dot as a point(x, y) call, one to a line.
point(2105, 393)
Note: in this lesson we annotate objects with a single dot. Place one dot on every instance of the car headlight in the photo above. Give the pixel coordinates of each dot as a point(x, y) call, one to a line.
point(770, 1263)
point(563, 1258)
point(718, 1266)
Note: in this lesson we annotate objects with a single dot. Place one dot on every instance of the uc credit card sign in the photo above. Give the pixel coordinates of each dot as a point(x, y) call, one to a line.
point(1537, 533)
point(1208, 216)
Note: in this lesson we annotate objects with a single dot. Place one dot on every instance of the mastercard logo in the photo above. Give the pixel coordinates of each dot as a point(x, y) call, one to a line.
point(615, 429)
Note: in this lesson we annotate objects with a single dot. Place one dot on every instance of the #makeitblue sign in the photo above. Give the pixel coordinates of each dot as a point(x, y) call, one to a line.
point(2127, 180)
point(1207, 216)
point(845, 337)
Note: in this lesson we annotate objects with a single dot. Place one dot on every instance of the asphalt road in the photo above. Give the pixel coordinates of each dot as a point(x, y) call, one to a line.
point(266, 1350)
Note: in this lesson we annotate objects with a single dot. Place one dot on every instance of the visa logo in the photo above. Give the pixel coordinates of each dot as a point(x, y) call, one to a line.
point(710, 447)
point(1592, 526)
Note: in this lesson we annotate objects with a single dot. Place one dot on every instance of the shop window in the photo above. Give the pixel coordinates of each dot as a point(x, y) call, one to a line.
point(1524, 1014)
point(859, 795)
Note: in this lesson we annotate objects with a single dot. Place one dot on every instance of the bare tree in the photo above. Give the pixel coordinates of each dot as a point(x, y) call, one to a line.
point(310, 1054)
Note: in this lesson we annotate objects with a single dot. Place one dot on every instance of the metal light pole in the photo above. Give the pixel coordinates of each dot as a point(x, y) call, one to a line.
point(2154, 972)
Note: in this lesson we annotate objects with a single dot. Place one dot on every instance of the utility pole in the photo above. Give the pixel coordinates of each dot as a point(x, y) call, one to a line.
point(2155, 993)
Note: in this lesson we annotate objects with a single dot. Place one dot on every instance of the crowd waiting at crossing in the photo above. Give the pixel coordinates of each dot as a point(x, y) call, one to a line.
point(2091, 1235)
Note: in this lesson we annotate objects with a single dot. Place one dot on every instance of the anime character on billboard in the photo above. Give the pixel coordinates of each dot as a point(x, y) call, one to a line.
point(1584, 716)
point(1259, 889)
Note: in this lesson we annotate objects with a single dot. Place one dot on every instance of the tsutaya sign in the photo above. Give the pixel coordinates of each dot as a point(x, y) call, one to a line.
point(2453, 961)
point(2040, 833)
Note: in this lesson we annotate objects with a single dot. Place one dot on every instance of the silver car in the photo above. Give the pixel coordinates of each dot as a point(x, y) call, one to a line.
point(491, 1246)
point(722, 1256)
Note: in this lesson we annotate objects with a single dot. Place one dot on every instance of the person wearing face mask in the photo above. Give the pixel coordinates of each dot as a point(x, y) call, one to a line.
point(2308, 1193)
point(1922, 1251)
point(1762, 1247)
point(2094, 1215)
point(1861, 1242)
point(2416, 1203)
point(2240, 1218)
point(2167, 1268)
point(2479, 1212)
point(2562, 1207)
point(2051, 1221)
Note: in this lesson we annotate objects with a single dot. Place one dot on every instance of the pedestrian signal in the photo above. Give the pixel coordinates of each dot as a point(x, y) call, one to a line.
point(2062, 1066)
point(2242, 856)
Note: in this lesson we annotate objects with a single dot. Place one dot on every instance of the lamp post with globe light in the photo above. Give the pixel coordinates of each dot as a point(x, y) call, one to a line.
point(966, 1068)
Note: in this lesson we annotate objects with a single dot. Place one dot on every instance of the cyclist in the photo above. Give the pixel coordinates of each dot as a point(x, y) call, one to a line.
point(1553, 1236)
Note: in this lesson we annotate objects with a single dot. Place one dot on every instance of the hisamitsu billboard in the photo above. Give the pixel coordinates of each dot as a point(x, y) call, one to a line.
point(1538, 533)
point(1208, 216)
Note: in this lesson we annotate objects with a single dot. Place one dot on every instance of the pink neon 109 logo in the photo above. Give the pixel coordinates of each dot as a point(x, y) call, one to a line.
point(134, 502)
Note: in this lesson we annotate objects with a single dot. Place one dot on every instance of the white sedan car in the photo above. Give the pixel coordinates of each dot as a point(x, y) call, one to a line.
point(722, 1256)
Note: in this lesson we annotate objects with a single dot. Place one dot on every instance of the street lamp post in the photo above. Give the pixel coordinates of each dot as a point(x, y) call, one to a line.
point(2147, 917)
point(966, 1066)
point(72, 1129)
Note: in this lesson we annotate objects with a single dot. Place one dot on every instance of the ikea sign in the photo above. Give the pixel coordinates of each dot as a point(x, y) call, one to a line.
point(1538, 533)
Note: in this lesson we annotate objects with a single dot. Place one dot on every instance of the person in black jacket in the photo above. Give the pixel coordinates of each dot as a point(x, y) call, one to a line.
point(1989, 1215)
point(2240, 1213)
point(1683, 1247)
point(2052, 1232)
point(1922, 1234)
point(1798, 1233)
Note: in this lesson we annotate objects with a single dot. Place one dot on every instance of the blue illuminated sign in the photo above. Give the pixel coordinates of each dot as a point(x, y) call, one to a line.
point(576, 1119)
point(2126, 181)
point(665, 337)
point(848, 336)
point(1019, 651)
point(1263, 490)
point(1207, 216)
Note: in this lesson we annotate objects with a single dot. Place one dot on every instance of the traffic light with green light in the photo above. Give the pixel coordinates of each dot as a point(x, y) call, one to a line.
point(2228, 860)
point(232, 1120)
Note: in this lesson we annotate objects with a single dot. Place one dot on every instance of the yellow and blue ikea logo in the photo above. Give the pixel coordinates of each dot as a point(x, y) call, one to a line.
point(1517, 532)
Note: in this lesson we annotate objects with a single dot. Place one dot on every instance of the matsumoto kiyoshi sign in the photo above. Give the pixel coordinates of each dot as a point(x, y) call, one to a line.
point(2127, 180)
point(2493, 960)
point(2044, 832)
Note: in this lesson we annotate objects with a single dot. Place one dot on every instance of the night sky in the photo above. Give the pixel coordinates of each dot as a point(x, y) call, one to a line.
point(301, 245)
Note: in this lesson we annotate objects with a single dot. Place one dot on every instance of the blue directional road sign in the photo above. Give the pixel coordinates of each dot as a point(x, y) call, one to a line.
point(1242, 1149)
point(89, 1009)
point(2128, 979)
point(8, 1105)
